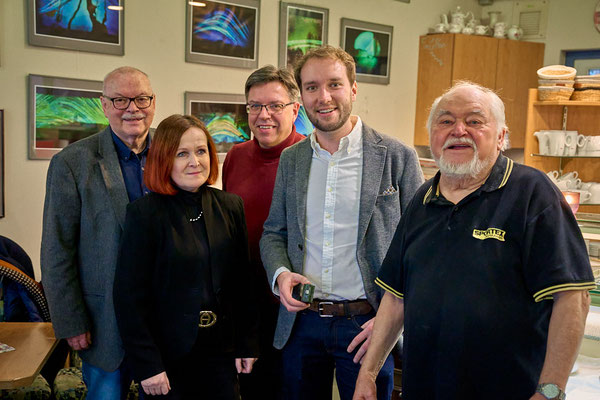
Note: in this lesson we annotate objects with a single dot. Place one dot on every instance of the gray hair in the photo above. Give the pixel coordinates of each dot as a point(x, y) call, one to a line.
point(269, 73)
point(496, 107)
point(121, 71)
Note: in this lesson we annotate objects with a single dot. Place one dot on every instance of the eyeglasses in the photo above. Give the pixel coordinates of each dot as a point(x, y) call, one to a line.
point(122, 103)
point(271, 108)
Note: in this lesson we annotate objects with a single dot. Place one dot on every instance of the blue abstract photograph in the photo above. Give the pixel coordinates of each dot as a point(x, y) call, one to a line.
point(227, 123)
point(91, 20)
point(224, 29)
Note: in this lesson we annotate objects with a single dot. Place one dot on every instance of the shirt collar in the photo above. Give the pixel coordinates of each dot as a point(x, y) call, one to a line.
point(125, 152)
point(350, 143)
point(498, 178)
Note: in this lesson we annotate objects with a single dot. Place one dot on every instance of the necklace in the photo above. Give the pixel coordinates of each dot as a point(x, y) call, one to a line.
point(197, 218)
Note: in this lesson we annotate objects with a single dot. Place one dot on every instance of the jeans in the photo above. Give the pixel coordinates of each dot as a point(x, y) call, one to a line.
point(315, 348)
point(102, 385)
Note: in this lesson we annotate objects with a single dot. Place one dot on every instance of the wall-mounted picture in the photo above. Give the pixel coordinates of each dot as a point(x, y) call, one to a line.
point(85, 25)
point(224, 115)
point(302, 123)
point(371, 46)
point(223, 33)
point(301, 28)
point(62, 111)
point(2, 164)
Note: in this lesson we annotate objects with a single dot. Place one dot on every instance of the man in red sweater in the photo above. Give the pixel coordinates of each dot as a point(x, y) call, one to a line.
point(249, 171)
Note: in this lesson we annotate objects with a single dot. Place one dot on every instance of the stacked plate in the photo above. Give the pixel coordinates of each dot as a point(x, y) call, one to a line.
point(555, 82)
point(586, 88)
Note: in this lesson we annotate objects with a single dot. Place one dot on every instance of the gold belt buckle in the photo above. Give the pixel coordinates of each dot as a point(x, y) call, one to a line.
point(207, 319)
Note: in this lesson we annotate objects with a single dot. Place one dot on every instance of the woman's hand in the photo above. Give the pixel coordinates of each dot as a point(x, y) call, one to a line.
point(244, 365)
point(157, 384)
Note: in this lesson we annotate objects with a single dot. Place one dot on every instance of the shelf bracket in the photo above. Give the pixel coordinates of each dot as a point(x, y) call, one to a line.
point(564, 119)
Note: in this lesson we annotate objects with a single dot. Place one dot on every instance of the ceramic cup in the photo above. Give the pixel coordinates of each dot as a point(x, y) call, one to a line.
point(569, 176)
point(440, 28)
point(543, 141)
point(553, 175)
point(595, 193)
point(557, 143)
point(482, 29)
point(570, 143)
point(573, 184)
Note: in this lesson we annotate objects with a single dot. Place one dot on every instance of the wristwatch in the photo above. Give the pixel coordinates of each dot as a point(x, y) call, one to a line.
point(551, 391)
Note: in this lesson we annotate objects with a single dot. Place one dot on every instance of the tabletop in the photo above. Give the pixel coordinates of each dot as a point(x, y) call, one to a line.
point(33, 343)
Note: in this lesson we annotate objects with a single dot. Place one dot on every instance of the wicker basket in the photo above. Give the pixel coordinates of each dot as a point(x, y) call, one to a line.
point(586, 95)
point(554, 93)
point(556, 72)
point(556, 82)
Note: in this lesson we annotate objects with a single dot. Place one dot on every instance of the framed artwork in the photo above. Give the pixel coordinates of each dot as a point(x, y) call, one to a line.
point(371, 46)
point(223, 32)
point(62, 111)
point(2, 164)
point(301, 28)
point(224, 115)
point(302, 123)
point(85, 25)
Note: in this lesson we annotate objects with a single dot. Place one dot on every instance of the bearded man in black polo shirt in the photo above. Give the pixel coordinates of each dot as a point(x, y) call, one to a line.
point(487, 272)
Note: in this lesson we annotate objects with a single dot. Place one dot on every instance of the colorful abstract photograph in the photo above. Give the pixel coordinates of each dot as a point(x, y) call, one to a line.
point(62, 112)
point(227, 123)
point(302, 123)
point(224, 29)
point(94, 20)
point(305, 32)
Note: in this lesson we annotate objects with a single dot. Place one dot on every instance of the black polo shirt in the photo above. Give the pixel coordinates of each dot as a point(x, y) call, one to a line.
point(474, 277)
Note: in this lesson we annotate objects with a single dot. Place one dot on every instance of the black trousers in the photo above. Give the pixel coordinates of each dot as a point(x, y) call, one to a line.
point(202, 376)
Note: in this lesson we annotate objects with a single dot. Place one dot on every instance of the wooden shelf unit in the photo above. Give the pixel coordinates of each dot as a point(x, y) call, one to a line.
point(580, 116)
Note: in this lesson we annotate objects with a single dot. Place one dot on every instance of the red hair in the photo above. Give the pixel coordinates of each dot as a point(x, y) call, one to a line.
point(164, 145)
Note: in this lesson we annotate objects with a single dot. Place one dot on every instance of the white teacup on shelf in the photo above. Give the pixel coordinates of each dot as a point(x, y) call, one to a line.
point(569, 175)
point(584, 196)
point(595, 191)
point(553, 175)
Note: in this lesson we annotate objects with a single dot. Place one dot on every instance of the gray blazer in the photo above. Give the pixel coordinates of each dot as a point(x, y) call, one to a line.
point(391, 175)
point(84, 213)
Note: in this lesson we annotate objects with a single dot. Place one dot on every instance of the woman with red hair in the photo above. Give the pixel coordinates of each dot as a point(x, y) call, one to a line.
point(183, 287)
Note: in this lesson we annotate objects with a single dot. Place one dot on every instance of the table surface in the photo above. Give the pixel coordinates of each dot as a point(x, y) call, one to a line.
point(33, 343)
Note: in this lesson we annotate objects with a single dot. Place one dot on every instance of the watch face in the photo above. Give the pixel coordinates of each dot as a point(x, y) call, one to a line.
point(550, 390)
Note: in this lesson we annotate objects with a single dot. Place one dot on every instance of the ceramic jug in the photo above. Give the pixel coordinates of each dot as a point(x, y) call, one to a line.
point(499, 30)
point(514, 33)
point(544, 141)
point(494, 18)
point(481, 29)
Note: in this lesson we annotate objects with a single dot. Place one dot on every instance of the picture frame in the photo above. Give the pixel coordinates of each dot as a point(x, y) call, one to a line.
point(223, 32)
point(301, 28)
point(62, 111)
point(67, 25)
point(2, 174)
point(371, 47)
point(224, 115)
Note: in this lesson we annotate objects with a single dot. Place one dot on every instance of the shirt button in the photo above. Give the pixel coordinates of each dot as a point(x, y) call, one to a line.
point(327, 215)
point(327, 243)
point(456, 208)
point(329, 189)
point(331, 164)
point(326, 270)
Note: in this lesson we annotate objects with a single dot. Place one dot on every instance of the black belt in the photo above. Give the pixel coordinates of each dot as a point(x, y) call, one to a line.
point(340, 308)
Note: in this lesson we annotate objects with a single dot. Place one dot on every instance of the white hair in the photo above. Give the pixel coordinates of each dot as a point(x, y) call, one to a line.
point(496, 108)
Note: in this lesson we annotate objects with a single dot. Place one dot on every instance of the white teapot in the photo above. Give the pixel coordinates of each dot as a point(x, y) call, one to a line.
point(514, 33)
point(458, 17)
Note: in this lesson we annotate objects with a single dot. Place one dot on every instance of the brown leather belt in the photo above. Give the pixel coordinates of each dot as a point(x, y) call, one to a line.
point(340, 308)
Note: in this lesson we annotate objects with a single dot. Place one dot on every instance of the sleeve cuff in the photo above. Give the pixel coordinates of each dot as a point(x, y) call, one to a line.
point(546, 294)
point(274, 286)
point(388, 288)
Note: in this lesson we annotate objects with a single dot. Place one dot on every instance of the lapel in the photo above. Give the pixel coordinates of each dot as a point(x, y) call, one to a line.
point(215, 227)
point(112, 175)
point(303, 159)
point(373, 164)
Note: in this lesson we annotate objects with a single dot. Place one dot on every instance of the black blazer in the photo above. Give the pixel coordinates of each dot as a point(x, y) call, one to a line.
point(155, 294)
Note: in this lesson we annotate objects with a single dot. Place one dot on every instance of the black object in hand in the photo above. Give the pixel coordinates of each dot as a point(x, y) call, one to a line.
point(304, 292)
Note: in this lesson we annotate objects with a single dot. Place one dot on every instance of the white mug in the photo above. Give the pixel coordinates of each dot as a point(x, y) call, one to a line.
point(569, 175)
point(582, 145)
point(544, 142)
point(557, 143)
point(593, 143)
point(570, 143)
point(584, 196)
point(553, 175)
point(595, 193)
point(573, 184)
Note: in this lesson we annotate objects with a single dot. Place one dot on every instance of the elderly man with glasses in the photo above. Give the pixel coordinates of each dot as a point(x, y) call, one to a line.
point(88, 187)
point(249, 171)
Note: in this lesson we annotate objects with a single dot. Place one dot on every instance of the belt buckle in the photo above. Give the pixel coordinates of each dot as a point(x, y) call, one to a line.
point(207, 319)
point(320, 309)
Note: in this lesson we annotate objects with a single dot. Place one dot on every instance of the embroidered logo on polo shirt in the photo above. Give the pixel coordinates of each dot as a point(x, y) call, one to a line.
point(489, 233)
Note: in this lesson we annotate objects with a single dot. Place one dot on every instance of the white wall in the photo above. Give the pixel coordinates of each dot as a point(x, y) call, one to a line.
point(154, 42)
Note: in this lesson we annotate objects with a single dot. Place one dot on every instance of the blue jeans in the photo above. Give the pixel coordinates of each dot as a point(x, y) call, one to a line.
point(102, 385)
point(315, 348)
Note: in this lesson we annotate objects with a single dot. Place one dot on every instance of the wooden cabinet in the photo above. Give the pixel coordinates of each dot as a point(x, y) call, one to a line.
point(507, 66)
point(580, 116)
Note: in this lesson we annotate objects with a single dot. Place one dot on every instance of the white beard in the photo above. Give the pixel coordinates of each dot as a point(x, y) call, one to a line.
point(470, 169)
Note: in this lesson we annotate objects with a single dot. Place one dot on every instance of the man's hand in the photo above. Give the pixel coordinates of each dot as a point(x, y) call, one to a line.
point(286, 282)
point(365, 388)
point(157, 384)
point(80, 342)
point(363, 337)
point(244, 365)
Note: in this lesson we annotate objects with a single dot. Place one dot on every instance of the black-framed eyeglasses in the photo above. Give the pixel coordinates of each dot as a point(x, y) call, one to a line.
point(121, 103)
point(276, 108)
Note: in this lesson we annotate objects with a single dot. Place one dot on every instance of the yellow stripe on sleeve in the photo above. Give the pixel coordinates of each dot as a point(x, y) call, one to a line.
point(546, 294)
point(388, 288)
